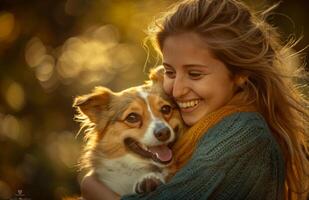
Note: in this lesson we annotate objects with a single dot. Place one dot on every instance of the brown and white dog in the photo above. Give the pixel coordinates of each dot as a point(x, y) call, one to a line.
point(129, 135)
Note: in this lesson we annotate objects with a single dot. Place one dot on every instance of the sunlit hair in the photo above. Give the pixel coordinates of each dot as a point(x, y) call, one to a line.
point(251, 48)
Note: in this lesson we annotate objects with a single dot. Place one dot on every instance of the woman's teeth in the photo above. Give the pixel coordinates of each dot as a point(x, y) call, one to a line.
point(188, 104)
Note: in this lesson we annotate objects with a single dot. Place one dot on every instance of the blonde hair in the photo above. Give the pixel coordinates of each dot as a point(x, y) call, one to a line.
point(251, 47)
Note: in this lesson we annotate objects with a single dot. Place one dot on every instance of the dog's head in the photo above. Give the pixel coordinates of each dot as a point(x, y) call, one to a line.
point(141, 121)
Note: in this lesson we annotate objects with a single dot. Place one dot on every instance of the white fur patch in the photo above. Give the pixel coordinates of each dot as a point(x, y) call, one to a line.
point(145, 95)
point(122, 173)
point(149, 138)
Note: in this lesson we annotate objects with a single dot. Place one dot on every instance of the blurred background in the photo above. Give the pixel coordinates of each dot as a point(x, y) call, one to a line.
point(54, 50)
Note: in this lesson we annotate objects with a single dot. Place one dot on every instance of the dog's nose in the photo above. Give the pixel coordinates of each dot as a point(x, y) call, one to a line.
point(162, 132)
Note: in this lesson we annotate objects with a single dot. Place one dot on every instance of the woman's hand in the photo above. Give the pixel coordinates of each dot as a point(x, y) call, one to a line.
point(92, 189)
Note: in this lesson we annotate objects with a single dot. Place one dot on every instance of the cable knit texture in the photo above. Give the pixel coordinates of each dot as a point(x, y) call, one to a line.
point(186, 144)
point(238, 158)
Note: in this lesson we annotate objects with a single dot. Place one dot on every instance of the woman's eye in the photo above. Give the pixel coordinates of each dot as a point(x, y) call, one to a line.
point(169, 73)
point(166, 109)
point(195, 74)
point(133, 118)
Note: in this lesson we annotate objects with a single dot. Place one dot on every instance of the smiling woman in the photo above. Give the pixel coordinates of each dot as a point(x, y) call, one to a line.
point(52, 50)
point(223, 66)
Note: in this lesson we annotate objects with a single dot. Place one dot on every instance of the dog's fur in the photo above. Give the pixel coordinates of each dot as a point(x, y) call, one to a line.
point(116, 122)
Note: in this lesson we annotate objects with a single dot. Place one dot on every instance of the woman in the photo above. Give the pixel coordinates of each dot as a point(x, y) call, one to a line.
point(230, 74)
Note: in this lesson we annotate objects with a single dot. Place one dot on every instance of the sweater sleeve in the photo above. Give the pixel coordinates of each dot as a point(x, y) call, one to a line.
point(236, 159)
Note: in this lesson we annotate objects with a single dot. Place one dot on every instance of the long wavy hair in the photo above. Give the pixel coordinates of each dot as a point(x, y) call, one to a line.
point(252, 48)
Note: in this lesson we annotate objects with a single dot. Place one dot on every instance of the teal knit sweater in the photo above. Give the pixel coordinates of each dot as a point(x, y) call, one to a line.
point(237, 159)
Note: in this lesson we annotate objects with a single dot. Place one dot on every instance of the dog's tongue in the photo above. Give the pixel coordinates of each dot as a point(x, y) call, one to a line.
point(162, 152)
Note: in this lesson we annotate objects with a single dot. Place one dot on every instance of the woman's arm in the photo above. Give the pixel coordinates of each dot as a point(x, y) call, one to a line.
point(92, 189)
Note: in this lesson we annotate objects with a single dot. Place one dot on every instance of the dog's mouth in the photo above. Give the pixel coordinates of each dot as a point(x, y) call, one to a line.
point(161, 154)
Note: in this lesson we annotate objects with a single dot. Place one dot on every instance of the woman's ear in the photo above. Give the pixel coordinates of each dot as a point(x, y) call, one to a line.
point(240, 80)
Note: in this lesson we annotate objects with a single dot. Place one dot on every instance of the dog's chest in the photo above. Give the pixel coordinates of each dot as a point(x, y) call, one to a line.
point(121, 174)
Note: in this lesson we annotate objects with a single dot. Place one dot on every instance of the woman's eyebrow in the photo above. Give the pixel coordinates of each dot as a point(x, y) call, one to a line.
point(167, 65)
point(195, 65)
point(186, 65)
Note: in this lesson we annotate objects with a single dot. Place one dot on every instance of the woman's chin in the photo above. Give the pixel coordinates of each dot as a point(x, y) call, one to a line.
point(190, 120)
point(192, 115)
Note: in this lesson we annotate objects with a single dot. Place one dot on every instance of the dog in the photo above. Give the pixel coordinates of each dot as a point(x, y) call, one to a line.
point(129, 135)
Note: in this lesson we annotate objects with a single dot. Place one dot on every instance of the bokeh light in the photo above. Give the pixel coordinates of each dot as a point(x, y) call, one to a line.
point(15, 96)
point(63, 149)
point(88, 53)
point(7, 23)
point(10, 127)
point(35, 52)
point(92, 58)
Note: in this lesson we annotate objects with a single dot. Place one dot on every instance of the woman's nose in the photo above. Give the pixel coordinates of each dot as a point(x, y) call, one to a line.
point(179, 87)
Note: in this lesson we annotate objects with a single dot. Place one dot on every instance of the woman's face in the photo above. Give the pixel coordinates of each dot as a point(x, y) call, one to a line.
point(199, 82)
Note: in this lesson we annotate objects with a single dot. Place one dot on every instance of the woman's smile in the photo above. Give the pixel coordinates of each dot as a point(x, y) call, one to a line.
point(189, 105)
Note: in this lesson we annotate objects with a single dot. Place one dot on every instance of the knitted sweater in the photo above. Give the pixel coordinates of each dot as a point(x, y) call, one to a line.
point(237, 159)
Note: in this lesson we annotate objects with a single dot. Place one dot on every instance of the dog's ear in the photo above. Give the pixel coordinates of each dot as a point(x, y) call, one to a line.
point(156, 74)
point(94, 104)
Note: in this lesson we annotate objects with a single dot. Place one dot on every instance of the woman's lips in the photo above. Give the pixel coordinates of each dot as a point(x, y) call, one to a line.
point(188, 106)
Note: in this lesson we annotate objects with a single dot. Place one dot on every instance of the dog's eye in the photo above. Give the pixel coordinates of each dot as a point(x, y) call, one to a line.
point(166, 109)
point(133, 118)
